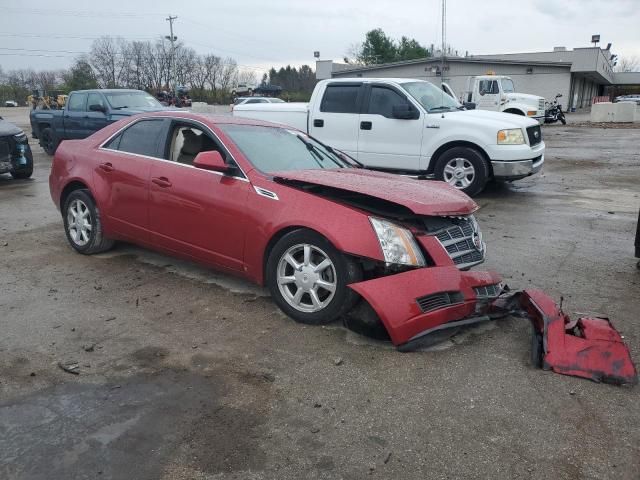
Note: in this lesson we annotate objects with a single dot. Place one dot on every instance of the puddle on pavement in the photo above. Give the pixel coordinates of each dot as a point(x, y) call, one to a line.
point(623, 201)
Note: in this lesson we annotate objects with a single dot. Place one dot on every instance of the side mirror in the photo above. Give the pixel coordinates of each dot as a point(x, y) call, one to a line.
point(469, 105)
point(97, 108)
point(211, 160)
point(405, 112)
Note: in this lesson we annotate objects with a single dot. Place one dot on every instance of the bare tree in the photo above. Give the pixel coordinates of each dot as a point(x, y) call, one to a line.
point(106, 59)
point(228, 73)
point(247, 77)
point(630, 63)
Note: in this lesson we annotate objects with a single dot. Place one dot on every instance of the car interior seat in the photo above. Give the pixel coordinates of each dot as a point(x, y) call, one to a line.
point(191, 146)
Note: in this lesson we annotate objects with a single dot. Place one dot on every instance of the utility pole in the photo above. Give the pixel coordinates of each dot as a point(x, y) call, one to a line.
point(444, 38)
point(172, 39)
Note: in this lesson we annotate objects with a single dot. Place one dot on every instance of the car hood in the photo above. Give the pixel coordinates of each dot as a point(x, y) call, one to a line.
point(422, 197)
point(498, 119)
point(8, 128)
point(127, 112)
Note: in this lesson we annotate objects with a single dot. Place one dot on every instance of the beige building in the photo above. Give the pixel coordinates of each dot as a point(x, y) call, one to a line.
point(579, 74)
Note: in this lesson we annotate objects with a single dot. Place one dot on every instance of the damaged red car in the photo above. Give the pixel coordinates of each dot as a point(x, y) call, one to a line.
point(331, 240)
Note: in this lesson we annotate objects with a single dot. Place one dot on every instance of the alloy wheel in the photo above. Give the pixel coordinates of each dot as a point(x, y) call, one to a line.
point(79, 222)
point(459, 173)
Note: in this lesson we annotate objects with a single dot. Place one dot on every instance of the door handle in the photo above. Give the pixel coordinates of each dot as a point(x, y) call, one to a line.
point(161, 182)
point(366, 125)
point(318, 122)
point(107, 167)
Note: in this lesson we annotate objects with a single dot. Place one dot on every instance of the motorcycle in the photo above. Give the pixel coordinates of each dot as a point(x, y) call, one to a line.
point(553, 111)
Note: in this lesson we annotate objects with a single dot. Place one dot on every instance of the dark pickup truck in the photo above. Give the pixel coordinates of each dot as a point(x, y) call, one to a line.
point(86, 112)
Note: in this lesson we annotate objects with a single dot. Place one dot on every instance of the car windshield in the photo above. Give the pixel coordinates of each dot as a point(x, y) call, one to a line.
point(507, 85)
point(131, 100)
point(431, 97)
point(273, 149)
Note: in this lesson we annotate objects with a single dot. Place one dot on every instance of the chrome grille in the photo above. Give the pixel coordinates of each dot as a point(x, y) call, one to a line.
point(541, 104)
point(487, 291)
point(436, 301)
point(535, 135)
point(463, 242)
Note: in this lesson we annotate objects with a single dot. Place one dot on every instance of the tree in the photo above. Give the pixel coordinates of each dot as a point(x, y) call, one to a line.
point(379, 48)
point(80, 76)
point(628, 64)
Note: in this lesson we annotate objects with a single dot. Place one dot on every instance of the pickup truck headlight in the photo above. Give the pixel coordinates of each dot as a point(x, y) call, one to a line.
point(513, 136)
point(397, 243)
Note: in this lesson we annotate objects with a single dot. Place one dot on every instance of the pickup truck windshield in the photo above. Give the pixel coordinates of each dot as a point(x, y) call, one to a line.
point(272, 149)
point(431, 97)
point(131, 100)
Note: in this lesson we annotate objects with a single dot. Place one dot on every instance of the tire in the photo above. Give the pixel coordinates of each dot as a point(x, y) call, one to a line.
point(84, 240)
point(48, 141)
point(463, 168)
point(562, 119)
point(537, 351)
point(294, 297)
point(27, 171)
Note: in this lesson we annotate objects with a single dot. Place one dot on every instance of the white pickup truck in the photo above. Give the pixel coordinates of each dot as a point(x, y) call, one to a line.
point(412, 127)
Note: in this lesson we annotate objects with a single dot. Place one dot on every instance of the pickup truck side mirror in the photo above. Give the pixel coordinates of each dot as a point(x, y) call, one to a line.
point(469, 105)
point(96, 107)
point(405, 112)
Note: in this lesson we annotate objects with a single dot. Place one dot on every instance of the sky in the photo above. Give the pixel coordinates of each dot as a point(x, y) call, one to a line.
point(259, 34)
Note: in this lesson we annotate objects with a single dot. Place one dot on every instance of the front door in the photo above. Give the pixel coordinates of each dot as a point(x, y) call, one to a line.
point(337, 121)
point(488, 95)
point(388, 142)
point(73, 116)
point(192, 211)
point(121, 177)
point(95, 120)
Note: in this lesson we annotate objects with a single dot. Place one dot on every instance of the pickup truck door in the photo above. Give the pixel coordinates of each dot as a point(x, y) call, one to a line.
point(96, 119)
point(73, 117)
point(336, 121)
point(386, 141)
point(488, 95)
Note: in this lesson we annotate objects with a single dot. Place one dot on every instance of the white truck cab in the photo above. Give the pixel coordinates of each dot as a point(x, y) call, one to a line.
point(412, 127)
point(497, 93)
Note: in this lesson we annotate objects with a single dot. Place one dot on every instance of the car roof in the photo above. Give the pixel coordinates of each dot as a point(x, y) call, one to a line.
point(212, 118)
point(110, 90)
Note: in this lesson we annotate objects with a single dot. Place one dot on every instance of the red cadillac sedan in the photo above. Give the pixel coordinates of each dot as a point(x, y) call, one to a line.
point(281, 209)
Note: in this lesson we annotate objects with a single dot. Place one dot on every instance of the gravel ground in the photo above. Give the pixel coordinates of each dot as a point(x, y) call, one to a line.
point(189, 374)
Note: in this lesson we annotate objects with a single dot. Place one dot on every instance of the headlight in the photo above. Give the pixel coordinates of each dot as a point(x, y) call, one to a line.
point(513, 136)
point(20, 137)
point(397, 243)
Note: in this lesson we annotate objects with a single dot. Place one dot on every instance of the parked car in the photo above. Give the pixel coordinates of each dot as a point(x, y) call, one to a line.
point(15, 154)
point(86, 112)
point(634, 98)
point(251, 198)
point(242, 89)
point(10, 103)
point(412, 127)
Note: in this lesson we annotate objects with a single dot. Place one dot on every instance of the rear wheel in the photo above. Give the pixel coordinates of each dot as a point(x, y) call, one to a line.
point(48, 141)
point(463, 168)
point(83, 225)
point(308, 278)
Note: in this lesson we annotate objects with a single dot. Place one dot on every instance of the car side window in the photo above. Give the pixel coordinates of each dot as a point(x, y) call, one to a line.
point(77, 102)
point(340, 99)
point(96, 99)
point(141, 138)
point(187, 142)
point(382, 101)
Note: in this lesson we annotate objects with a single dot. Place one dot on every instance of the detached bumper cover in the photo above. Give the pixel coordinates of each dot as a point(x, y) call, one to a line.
point(412, 303)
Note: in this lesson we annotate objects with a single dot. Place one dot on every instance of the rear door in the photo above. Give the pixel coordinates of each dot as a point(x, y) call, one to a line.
point(384, 141)
point(96, 120)
point(121, 177)
point(74, 115)
point(337, 120)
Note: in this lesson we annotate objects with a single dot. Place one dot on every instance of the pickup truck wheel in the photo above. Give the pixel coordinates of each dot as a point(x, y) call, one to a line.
point(463, 168)
point(83, 224)
point(308, 278)
point(48, 141)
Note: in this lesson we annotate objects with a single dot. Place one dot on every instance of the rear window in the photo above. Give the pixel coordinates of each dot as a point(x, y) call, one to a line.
point(340, 99)
point(141, 138)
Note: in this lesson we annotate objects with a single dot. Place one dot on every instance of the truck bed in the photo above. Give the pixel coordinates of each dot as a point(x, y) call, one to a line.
point(291, 114)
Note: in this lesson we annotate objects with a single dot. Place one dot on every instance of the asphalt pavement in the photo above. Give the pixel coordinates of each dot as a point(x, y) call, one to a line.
point(185, 373)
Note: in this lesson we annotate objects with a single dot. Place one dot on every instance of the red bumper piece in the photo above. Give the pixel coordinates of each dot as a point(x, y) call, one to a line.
point(588, 347)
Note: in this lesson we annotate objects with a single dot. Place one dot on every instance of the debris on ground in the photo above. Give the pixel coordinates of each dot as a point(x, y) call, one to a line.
point(337, 361)
point(89, 348)
point(70, 367)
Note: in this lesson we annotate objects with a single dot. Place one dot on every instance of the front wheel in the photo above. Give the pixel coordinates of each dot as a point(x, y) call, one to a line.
point(562, 119)
point(48, 141)
point(463, 168)
point(308, 278)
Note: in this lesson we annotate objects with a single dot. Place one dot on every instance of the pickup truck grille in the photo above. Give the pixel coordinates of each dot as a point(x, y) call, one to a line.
point(463, 243)
point(535, 135)
point(436, 301)
point(541, 104)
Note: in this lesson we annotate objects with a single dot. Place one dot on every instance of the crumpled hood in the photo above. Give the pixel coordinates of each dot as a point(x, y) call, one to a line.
point(8, 128)
point(422, 197)
point(499, 120)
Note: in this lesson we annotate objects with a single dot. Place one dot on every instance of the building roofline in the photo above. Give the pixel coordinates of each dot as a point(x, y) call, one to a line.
point(472, 59)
